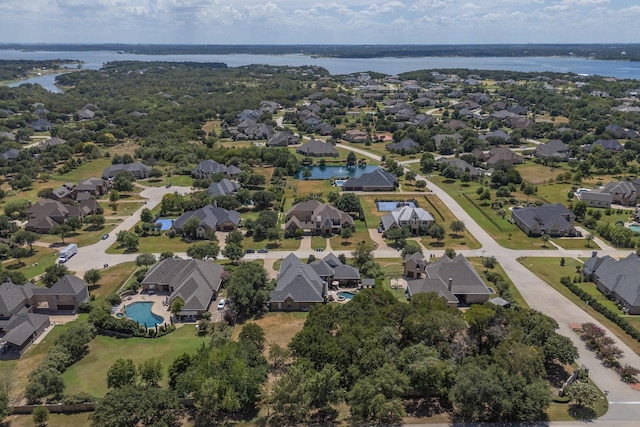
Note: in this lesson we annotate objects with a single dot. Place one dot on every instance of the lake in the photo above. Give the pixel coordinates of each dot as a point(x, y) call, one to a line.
point(326, 172)
point(95, 59)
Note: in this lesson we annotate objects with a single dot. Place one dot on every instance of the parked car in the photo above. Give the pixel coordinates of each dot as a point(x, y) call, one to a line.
point(105, 236)
point(221, 304)
point(263, 251)
point(249, 251)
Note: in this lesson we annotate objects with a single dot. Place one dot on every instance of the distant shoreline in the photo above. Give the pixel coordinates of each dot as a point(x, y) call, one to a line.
point(605, 51)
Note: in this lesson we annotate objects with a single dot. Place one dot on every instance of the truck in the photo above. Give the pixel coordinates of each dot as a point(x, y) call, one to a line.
point(67, 252)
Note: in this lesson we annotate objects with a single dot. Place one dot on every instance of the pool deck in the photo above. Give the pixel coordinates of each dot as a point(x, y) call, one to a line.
point(157, 308)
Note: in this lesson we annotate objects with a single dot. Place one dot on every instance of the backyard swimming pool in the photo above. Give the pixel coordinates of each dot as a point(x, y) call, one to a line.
point(386, 206)
point(345, 295)
point(141, 313)
point(634, 228)
point(326, 172)
point(165, 222)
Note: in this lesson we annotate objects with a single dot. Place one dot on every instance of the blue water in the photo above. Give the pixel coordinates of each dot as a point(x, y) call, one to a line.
point(634, 228)
point(389, 206)
point(326, 172)
point(346, 295)
point(166, 223)
point(141, 313)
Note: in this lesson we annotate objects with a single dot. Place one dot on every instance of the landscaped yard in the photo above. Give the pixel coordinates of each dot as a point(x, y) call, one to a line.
point(35, 264)
point(156, 244)
point(90, 373)
point(112, 279)
point(279, 327)
point(549, 270)
point(481, 269)
point(360, 235)
point(84, 237)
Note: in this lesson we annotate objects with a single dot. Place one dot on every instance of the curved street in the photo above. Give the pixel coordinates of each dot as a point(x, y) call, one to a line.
point(624, 402)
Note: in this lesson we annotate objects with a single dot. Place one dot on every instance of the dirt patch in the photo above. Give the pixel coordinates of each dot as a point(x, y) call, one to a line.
point(635, 386)
point(280, 328)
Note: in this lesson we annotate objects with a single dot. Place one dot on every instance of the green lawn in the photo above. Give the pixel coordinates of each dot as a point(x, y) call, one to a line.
point(90, 373)
point(81, 238)
point(35, 264)
point(361, 235)
point(180, 180)
point(549, 270)
point(504, 232)
point(517, 297)
point(55, 420)
point(576, 244)
point(112, 279)
point(318, 242)
point(281, 245)
point(155, 244)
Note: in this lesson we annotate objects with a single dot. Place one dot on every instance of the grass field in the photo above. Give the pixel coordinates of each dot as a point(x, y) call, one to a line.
point(90, 373)
point(576, 244)
point(34, 265)
point(279, 327)
point(112, 279)
point(549, 270)
point(361, 235)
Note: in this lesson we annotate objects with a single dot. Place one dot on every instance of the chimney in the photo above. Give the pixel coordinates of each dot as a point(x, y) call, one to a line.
point(450, 283)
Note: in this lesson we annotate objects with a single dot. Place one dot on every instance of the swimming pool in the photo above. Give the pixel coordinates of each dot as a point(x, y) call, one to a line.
point(345, 295)
point(141, 313)
point(386, 206)
point(165, 223)
point(634, 228)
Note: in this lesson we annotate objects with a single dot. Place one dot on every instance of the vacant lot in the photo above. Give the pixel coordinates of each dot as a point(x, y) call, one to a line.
point(279, 327)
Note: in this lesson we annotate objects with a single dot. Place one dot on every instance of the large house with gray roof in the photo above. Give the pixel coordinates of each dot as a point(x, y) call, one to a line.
point(197, 282)
point(223, 188)
point(553, 220)
point(554, 149)
point(137, 169)
point(378, 180)
point(210, 219)
point(46, 213)
point(617, 279)
point(416, 219)
point(454, 280)
point(317, 148)
point(300, 286)
point(24, 309)
point(207, 168)
point(316, 218)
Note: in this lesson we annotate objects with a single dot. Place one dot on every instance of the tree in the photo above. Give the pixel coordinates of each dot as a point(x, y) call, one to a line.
point(410, 175)
point(190, 226)
point(176, 306)
point(485, 195)
point(583, 394)
point(233, 252)
point(166, 254)
point(114, 196)
point(96, 222)
point(254, 334)
point(437, 231)
point(489, 262)
point(16, 209)
point(243, 196)
point(457, 227)
point(123, 181)
point(146, 259)
point(326, 390)
point(74, 223)
point(589, 239)
point(121, 373)
point(203, 251)
point(18, 252)
point(529, 190)
point(137, 406)
point(346, 233)
point(128, 240)
point(248, 288)
point(362, 254)
point(53, 273)
point(351, 158)
point(262, 199)
point(349, 203)
point(545, 239)
point(278, 356)
point(5, 409)
point(92, 276)
point(23, 236)
point(150, 372)
point(146, 215)
point(450, 252)
point(62, 230)
point(40, 416)
point(234, 236)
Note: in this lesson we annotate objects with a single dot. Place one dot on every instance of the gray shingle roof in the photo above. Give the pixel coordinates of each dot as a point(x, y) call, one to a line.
point(210, 217)
point(223, 188)
point(378, 179)
point(317, 148)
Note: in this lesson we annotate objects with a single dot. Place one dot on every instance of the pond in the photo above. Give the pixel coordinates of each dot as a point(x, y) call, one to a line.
point(141, 313)
point(327, 172)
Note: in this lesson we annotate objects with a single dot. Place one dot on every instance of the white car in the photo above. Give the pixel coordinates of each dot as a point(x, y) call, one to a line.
point(221, 304)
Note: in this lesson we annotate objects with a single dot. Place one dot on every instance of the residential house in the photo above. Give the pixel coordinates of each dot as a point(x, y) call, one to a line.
point(223, 188)
point(454, 280)
point(316, 217)
point(195, 281)
point(595, 199)
point(93, 186)
point(51, 142)
point(211, 219)
point(10, 154)
point(300, 286)
point(461, 166)
point(378, 180)
point(415, 219)
point(317, 148)
point(407, 145)
point(207, 168)
point(46, 213)
point(502, 156)
point(553, 220)
point(7, 135)
point(554, 149)
point(355, 135)
point(496, 137)
point(20, 325)
point(85, 114)
point(137, 169)
point(607, 144)
point(618, 131)
point(414, 265)
point(622, 192)
point(283, 139)
point(617, 279)
point(41, 125)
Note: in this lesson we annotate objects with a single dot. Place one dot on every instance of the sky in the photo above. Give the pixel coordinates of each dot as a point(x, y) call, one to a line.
point(319, 22)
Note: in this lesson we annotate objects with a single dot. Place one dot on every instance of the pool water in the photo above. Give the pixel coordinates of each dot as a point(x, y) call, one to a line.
point(386, 206)
point(141, 313)
point(165, 223)
point(634, 228)
point(326, 172)
point(345, 295)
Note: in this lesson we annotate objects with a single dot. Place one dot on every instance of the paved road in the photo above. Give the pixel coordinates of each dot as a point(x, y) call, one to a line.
point(624, 402)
